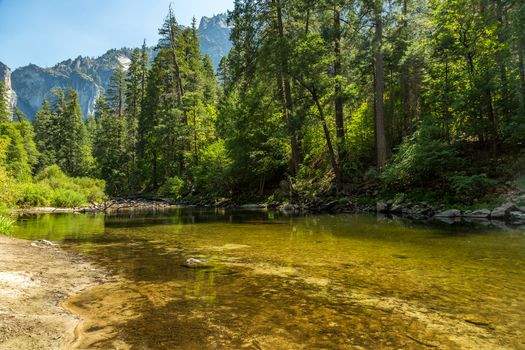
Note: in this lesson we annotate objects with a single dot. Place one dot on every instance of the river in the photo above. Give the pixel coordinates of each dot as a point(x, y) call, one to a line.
point(277, 281)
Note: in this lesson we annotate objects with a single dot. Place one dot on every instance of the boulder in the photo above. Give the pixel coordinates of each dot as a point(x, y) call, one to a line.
point(381, 207)
point(479, 214)
point(290, 207)
point(451, 213)
point(253, 206)
point(498, 213)
point(397, 209)
point(517, 216)
point(195, 263)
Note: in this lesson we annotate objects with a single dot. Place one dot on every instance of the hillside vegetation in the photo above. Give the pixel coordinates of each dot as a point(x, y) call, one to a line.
point(365, 99)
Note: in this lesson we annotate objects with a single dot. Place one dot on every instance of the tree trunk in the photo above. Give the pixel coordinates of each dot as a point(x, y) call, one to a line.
point(521, 67)
point(286, 93)
point(339, 117)
point(404, 82)
point(501, 59)
point(333, 158)
point(379, 90)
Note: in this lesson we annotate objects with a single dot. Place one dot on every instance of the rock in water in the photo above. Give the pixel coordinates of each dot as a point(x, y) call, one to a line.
point(195, 263)
point(43, 243)
point(452, 213)
point(480, 214)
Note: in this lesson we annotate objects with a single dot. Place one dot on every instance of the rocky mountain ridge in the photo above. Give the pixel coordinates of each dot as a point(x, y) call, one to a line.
point(5, 79)
point(90, 76)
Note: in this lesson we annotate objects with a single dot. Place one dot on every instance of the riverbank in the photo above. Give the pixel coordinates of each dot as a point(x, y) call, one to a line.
point(35, 279)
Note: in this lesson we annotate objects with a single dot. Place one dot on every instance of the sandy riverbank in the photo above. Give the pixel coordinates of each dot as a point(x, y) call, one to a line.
point(35, 280)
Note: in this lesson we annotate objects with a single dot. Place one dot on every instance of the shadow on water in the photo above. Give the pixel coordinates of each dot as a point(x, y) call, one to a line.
point(274, 281)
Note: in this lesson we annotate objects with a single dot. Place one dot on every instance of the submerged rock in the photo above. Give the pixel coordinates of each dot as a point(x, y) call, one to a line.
point(451, 213)
point(43, 243)
point(195, 263)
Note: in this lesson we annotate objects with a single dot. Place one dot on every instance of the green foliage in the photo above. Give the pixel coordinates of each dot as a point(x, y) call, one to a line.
point(469, 187)
point(6, 224)
point(211, 174)
point(64, 198)
point(61, 136)
point(174, 187)
point(91, 190)
point(421, 160)
point(34, 195)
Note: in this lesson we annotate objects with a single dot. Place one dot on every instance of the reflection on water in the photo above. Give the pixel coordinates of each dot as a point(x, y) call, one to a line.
point(284, 282)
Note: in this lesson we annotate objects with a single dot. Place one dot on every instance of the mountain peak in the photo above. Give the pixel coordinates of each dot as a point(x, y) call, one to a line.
point(90, 76)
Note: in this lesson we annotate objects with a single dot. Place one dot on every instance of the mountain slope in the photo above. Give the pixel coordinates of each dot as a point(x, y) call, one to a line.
point(90, 76)
point(5, 78)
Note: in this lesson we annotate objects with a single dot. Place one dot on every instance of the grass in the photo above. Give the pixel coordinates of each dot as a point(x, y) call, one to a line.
point(6, 224)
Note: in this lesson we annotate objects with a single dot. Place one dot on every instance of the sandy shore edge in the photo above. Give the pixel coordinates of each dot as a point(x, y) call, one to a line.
point(35, 280)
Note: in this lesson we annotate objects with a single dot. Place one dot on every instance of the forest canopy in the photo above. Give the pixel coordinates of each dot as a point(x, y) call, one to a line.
point(355, 98)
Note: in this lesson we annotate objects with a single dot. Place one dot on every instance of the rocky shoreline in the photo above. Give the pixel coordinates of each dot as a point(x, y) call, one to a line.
point(510, 212)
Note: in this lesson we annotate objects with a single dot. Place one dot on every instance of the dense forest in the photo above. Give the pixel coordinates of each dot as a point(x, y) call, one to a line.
point(361, 98)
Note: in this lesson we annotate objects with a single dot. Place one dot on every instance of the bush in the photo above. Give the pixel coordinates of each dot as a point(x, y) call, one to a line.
point(53, 187)
point(33, 195)
point(468, 187)
point(91, 189)
point(64, 198)
point(421, 160)
point(212, 174)
point(6, 224)
point(173, 187)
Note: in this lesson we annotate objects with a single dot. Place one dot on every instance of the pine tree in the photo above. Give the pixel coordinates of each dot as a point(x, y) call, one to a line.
point(45, 136)
point(108, 150)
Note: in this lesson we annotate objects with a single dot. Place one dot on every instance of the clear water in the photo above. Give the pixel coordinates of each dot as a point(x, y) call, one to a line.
point(285, 282)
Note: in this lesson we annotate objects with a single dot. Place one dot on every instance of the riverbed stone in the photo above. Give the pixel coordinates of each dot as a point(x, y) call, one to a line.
point(381, 207)
point(498, 213)
point(195, 263)
point(290, 207)
point(517, 216)
point(451, 213)
point(479, 214)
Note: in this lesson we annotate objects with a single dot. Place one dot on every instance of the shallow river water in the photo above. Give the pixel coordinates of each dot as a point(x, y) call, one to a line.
point(292, 282)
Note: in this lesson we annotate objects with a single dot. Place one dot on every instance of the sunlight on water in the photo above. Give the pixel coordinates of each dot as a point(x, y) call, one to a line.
point(284, 282)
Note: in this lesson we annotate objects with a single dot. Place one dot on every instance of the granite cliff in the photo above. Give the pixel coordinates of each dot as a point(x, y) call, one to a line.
point(5, 78)
point(90, 76)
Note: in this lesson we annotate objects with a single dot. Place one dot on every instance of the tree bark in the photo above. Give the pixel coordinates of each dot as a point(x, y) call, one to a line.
point(286, 93)
point(333, 158)
point(339, 116)
point(521, 67)
point(404, 82)
point(379, 89)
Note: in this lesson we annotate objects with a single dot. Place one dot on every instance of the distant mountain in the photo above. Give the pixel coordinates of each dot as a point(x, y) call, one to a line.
point(5, 78)
point(214, 36)
point(90, 76)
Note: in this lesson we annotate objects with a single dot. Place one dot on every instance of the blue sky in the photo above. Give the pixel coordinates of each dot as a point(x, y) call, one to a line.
point(45, 32)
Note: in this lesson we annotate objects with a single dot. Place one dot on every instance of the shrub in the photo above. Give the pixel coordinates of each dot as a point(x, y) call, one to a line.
point(33, 195)
point(6, 224)
point(421, 160)
point(468, 187)
point(64, 198)
point(212, 174)
point(91, 189)
point(173, 187)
